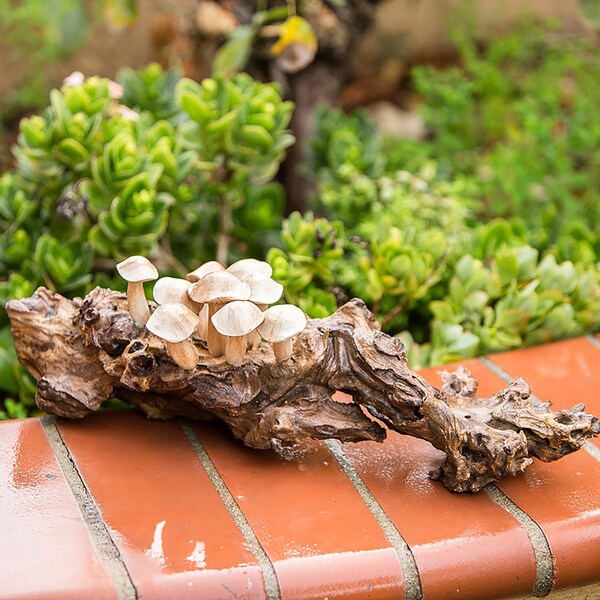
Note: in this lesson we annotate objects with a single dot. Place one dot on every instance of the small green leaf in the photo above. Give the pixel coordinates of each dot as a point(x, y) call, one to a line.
point(235, 52)
point(120, 13)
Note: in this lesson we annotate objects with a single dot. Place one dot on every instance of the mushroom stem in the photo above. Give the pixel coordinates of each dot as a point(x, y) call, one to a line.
point(283, 350)
point(183, 353)
point(235, 348)
point(254, 338)
point(138, 305)
point(202, 329)
point(214, 340)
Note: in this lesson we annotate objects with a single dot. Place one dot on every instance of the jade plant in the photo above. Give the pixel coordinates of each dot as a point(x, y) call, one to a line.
point(415, 247)
point(153, 166)
point(483, 237)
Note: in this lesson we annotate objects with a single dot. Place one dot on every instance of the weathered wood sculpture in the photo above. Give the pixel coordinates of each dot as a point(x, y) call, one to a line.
point(84, 351)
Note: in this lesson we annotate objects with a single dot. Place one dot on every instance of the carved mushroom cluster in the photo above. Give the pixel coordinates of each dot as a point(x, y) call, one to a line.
point(227, 308)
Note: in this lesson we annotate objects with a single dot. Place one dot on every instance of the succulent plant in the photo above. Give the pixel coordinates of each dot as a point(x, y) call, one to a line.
point(483, 237)
point(104, 173)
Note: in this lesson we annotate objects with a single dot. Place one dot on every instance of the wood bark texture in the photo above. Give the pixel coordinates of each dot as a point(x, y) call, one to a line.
point(83, 352)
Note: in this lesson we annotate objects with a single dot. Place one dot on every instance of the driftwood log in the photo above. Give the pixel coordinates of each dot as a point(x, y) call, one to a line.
point(83, 352)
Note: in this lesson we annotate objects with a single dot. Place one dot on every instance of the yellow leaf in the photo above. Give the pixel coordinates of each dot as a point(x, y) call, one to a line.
point(297, 45)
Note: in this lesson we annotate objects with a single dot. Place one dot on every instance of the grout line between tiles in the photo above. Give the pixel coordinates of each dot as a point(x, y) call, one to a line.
point(502, 374)
point(544, 573)
point(267, 569)
point(541, 547)
point(412, 579)
point(593, 450)
point(506, 377)
point(594, 340)
point(107, 550)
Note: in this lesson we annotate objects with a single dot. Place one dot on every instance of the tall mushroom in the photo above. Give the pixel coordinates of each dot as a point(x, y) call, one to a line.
point(264, 291)
point(202, 329)
point(235, 321)
point(136, 270)
point(174, 323)
point(281, 323)
point(216, 290)
point(212, 266)
point(169, 290)
point(247, 266)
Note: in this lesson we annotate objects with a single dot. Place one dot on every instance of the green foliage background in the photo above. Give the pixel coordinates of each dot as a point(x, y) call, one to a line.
point(98, 179)
point(484, 237)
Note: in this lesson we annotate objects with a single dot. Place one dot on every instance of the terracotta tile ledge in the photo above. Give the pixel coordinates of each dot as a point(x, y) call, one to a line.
point(115, 506)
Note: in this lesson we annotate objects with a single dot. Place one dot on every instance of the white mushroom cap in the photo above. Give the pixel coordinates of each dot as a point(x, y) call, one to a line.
point(237, 318)
point(171, 289)
point(218, 287)
point(137, 269)
point(211, 266)
point(282, 322)
point(264, 290)
point(172, 322)
point(248, 266)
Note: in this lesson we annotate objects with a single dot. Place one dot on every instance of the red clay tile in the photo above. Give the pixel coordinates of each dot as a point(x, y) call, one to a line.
point(174, 533)
point(45, 548)
point(316, 530)
point(564, 499)
point(465, 545)
point(563, 496)
point(565, 373)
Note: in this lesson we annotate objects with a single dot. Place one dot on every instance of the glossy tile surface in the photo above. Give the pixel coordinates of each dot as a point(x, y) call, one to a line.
point(45, 548)
point(178, 540)
point(316, 530)
point(175, 535)
point(563, 496)
point(564, 499)
point(465, 545)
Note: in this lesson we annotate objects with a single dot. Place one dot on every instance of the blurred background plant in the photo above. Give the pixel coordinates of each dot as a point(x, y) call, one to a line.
point(484, 235)
point(479, 232)
point(38, 33)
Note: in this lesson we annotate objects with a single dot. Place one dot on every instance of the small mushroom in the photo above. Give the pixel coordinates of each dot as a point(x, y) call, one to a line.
point(202, 329)
point(247, 266)
point(264, 291)
point(208, 267)
point(169, 290)
point(136, 270)
point(281, 323)
point(216, 290)
point(174, 323)
point(235, 321)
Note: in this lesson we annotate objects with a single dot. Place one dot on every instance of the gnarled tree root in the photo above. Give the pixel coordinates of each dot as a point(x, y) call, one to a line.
point(82, 352)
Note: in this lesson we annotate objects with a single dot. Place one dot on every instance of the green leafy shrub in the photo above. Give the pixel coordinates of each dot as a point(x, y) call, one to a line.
point(519, 118)
point(417, 247)
point(484, 237)
point(172, 169)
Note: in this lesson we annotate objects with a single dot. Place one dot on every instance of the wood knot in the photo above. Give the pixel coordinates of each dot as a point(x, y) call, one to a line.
point(142, 364)
point(89, 317)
